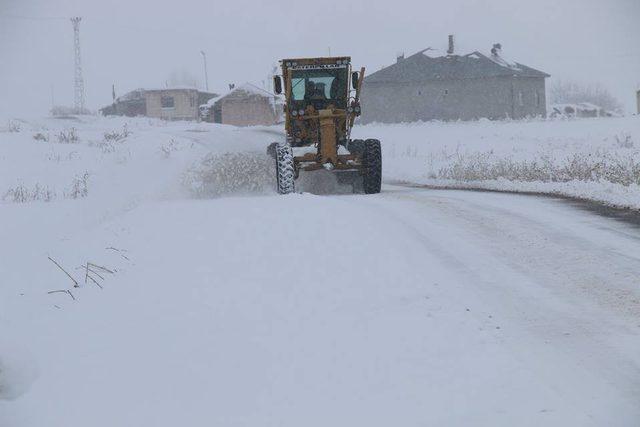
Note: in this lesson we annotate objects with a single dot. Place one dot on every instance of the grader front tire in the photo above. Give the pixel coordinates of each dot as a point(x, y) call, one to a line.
point(285, 169)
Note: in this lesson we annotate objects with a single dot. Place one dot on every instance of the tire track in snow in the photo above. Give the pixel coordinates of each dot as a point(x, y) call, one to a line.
point(565, 295)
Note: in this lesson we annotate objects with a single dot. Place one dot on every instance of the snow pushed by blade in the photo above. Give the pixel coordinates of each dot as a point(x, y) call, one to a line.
point(220, 174)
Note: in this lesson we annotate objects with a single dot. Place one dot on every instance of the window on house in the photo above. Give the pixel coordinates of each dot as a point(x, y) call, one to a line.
point(520, 99)
point(537, 99)
point(191, 101)
point(167, 102)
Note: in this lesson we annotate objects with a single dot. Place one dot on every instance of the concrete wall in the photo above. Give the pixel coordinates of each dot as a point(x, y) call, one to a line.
point(185, 104)
point(466, 99)
point(247, 111)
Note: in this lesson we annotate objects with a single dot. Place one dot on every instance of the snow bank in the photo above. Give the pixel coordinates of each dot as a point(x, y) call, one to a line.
point(596, 159)
point(118, 161)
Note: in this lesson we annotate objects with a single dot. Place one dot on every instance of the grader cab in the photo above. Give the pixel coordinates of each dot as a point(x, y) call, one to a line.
point(322, 101)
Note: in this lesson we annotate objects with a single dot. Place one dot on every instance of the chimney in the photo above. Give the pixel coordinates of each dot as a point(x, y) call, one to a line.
point(496, 50)
point(451, 45)
point(399, 57)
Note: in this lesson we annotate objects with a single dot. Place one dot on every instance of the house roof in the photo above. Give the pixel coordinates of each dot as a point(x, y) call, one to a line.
point(244, 91)
point(138, 93)
point(420, 67)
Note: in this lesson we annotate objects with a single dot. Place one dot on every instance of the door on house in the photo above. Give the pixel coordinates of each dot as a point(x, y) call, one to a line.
point(217, 114)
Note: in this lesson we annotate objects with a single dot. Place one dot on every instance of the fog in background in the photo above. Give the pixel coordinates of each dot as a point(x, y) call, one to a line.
point(149, 43)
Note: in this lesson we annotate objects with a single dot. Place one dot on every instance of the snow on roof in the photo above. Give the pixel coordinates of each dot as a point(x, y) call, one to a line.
point(248, 89)
point(137, 93)
point(253, 90)
point(499, 59)
point(158, 89)
point(425, 65)
point(434, 52)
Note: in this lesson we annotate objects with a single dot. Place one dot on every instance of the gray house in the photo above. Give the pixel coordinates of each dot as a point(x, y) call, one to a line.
point(453, 87)
point(165, 103)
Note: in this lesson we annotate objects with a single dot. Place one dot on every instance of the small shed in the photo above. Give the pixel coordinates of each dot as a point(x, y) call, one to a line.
point(245, 105)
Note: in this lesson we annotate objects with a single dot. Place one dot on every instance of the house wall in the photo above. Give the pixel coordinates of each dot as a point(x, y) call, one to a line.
point(185, 104)
point(466, 99)
point(246, 111)
point(131, 108)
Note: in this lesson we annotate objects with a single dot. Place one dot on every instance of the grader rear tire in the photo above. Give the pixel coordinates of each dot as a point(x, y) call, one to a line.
point(285, 169)
point(372, 166)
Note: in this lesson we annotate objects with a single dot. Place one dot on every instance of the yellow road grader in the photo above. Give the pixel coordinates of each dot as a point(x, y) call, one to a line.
point(322, 101)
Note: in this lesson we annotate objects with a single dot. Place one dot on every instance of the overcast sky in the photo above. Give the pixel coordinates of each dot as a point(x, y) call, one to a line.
point(140, 43)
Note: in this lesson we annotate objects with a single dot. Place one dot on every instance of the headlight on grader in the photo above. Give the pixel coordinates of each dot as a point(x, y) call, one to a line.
point(301, 112)
point(294, 113)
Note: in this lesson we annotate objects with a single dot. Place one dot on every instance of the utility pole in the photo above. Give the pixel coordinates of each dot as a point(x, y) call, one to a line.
point(206, 78)
point(78, 88)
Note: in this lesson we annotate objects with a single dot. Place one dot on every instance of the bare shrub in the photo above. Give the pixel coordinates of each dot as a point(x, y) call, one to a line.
point(106, 146)
point(68, 136)
point(117, 136)
point(597, 166)
point(41, 137)
point(79, 187)
point(168, 148)
point(624, 140)
point(56, 157)
point(22, 194)
point(13, 126)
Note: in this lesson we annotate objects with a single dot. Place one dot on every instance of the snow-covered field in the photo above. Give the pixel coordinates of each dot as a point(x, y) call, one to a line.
point(596, 159)
point(199, 297)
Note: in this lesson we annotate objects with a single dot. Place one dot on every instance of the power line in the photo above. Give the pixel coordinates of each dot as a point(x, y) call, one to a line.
point(33, 18)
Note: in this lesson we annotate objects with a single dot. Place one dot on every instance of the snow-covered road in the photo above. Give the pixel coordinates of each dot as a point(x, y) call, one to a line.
point(413, 307)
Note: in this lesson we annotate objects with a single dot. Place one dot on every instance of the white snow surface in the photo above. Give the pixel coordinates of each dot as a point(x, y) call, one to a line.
point(226, 304)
